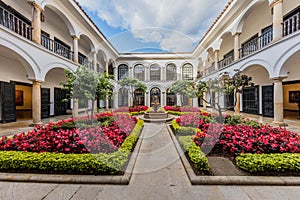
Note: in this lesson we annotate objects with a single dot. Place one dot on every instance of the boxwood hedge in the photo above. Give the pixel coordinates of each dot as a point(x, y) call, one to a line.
point(277, 162)
point(45, 162)
point(196, 156)
point(181, 130)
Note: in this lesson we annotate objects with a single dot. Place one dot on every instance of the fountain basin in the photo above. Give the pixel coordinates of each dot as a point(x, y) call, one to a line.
point(155, 115)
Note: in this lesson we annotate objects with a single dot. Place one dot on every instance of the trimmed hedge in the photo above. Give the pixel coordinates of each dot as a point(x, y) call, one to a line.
point(196, 156)
point(46, 162)
point(178, 113)
point(183, 131)
point(277, 162)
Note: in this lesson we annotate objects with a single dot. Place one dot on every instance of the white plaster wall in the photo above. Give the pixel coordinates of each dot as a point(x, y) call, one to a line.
point(286, 89)
point(289, 5)
point(259, 18)
point(226, 46)
point(11, 69)
point(54, 26)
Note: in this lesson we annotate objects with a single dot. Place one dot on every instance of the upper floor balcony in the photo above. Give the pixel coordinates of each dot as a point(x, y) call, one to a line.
point(24, 29)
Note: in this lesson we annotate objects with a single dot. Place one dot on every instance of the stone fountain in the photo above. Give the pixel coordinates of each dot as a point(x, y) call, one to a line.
point(156, 115)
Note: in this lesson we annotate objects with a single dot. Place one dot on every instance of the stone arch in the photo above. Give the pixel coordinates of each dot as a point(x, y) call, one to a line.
point(54, 65)
point(241, 19)
point(29, 63)
point(102, 54)
point(68, 22)
point(89, 41)
point(280, 70)
point(263, 63)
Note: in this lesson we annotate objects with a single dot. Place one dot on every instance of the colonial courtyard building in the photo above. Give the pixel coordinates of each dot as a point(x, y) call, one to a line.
point(39, 39)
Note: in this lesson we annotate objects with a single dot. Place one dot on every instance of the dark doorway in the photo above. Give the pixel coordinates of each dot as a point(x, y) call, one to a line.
point(45, 102)
point(8, 102)
point(268, 101)
point(60, 107)
point(251, 100)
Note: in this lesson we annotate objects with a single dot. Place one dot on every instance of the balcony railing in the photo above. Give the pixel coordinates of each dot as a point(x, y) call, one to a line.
point(12, 22)
point(256, 43)
point(226, 61)
point(56, 47)
point(210, 70)
point(292, 24)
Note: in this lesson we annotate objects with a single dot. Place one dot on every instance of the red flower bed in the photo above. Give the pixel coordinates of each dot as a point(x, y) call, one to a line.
point(181, 109)
point(92, 139)
point(246, 139)
point(134, 109)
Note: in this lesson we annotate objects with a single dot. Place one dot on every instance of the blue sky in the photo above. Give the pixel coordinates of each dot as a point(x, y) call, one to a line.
point(153, 25)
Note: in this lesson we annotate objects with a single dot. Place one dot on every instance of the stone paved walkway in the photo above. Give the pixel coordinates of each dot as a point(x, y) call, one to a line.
point(158, 174)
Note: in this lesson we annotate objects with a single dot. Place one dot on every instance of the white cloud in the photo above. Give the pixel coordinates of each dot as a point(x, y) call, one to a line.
point(174, 24)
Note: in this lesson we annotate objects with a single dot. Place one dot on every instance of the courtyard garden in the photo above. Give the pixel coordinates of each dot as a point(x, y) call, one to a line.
point(255, 148)
point(100, 144)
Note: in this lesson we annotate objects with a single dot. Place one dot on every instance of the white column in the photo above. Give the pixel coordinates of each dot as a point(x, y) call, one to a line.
point(36, 102)
point(216, 59)
point(163, 99)
point(237, 108)
point(36, 23)
point(106, 67)
point(277, 6)
point(116, 73)
point(95, 61)
point(75, 48)
point(75, 108)
point(204, 102)
point(278, 100)
point(237, 46)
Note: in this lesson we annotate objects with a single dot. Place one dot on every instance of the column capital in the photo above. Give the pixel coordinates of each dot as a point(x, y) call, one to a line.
point(36, 82)
point(236, 33)
point(35, 5)
point(75, 37)
point(278, 79)
point(272, 3)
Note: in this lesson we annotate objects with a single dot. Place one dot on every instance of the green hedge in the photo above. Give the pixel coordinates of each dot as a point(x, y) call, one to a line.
point(100, 163)
point(196, 156)
point(178, 113)
point(181, 130)
point(277, 162)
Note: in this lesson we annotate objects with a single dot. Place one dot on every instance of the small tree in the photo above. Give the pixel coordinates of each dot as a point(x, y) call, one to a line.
point(84, 85)
point(222, 85)
point(132, 84)
point(184, 88)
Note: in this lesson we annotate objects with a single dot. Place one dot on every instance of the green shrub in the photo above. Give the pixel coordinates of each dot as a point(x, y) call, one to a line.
point(285, 162)
point(196, 156)
point(178, 113)
point(183, 131)
point(72, 163)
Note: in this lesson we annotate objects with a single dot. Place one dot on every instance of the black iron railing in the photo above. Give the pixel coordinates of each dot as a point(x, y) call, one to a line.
point(17, 25)
point(291, 24)
point(226, 61)
point(210, 69)
point(56, 47)
point(256, 43)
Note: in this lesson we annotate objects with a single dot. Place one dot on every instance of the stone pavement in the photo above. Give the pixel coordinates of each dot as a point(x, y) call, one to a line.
point(158, 174)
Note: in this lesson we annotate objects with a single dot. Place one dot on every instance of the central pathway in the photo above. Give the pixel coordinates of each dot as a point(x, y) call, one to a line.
point(158, 174)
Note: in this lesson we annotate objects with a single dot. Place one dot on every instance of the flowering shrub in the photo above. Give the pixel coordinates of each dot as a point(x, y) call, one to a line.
point(91, 139)
point(246, 139)
point(134, 109)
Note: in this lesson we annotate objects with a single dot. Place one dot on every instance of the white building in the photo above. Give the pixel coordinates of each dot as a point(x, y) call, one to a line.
point(39, 39)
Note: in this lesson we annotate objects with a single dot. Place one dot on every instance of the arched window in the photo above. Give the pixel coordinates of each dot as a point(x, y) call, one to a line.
point(155, 72)
point(139, 72)
point(187, 72)
point(139, 98)
point(171, 74)
point(110, 69)
point(155, 93)
point(123, 97)
point(171, 98)
point(122, 71)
